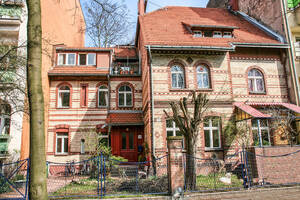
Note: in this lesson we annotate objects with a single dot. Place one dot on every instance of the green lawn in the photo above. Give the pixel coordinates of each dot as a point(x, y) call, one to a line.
point(211, 182)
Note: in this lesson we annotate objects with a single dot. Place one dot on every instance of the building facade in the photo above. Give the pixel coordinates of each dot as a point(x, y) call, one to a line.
point(120, 94)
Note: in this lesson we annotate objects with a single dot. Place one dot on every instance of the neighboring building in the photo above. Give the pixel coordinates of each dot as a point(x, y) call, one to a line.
point(13, 36)
point(282, 16)
point(123, 91)
point(66, 26)
point(94, 90)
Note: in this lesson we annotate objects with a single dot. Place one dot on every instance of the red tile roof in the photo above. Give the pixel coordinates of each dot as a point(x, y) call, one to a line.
point(292, 107)
point(165, 27)
point(123, 52)
point(250, 110)
point(125, 118)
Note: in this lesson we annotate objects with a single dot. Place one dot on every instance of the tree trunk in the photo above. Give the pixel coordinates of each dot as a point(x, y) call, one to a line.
point(38, 181)
point(190, 172)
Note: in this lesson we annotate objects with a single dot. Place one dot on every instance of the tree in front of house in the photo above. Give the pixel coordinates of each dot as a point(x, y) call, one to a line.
point(107, 22)
point(188, 115)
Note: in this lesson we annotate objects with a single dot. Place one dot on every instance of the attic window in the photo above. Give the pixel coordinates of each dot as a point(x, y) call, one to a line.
point(217, 34)
point(208, 33)
point(227, 35)
point(197, 33)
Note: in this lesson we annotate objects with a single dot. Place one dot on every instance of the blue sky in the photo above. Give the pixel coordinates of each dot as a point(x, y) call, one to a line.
point(154, 5)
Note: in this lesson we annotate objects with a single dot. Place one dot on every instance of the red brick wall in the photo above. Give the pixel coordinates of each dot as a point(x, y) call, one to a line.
point(278, 170)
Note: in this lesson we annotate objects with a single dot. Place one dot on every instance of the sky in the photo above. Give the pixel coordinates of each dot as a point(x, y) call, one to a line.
point(151, 6)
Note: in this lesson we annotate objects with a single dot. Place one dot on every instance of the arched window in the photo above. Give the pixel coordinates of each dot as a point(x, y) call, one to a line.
point(202, 77)
point(64, 96)
point(177, 74)
point(125, 96)
point(102, 96)
point(256, 81)
point(5, 112)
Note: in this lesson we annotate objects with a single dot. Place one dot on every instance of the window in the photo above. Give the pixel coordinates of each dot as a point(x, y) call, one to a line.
point(64, 97)
point(212, 132)
point(82, 146)
point(217, 34)
point(297, 47)
point(227, 35)
point(66, 59)
point(87, 59)
point(172, 129)
point(62, 143)
point(202, 77)
point(207, 33)
point(256, 81)
point(125, 96)
point(102, 96)
point(84, 95)
point(177, 77)
point(260, 131)
point(5, 112)
point(197, 33)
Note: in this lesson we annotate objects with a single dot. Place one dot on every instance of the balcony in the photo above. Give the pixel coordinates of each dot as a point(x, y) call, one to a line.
point(125, 69)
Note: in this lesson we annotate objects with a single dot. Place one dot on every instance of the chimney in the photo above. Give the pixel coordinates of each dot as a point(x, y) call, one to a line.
point(142, 4)
point(234, 4)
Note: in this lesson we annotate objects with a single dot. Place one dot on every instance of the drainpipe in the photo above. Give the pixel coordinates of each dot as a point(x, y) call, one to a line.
point(152, 106)
point(291, 52)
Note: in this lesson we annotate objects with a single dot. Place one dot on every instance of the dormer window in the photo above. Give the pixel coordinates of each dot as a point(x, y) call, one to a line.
point(217, 34)
point(227, 35)
point(66, 59)
point(207, 33)
point(197, 33)
point(87, 59)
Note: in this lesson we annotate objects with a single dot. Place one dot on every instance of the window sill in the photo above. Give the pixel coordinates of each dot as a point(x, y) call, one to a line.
point(179, 90)
point(63, 107)
point(204, 89)
point(125, 106)
point(61, 154)
point(213, 149)
point(257, 93)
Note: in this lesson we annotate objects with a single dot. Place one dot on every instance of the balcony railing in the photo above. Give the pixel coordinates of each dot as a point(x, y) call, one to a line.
point(125, 69)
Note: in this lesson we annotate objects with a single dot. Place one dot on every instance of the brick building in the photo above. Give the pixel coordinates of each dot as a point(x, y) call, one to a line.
point(123, 91)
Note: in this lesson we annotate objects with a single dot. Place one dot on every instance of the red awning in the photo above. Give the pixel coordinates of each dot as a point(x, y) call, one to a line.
point(125, 119)
point(289, 106)
point(250, 110)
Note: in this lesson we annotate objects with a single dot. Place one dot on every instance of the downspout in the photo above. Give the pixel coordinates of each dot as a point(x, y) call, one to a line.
point(152, 104)
point(291, 52)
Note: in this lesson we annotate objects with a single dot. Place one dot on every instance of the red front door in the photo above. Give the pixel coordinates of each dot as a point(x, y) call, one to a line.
point(125, 141)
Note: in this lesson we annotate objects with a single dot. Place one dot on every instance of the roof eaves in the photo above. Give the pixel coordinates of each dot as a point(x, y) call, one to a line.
point(74, 74)
point(213, 26)
point(261, 45)
point(215, 48)
point(83, 49)
point(261, 27)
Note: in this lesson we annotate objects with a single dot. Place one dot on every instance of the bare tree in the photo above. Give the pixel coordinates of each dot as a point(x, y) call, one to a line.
point(107, 22)
point(38, 180)
point(188, 122)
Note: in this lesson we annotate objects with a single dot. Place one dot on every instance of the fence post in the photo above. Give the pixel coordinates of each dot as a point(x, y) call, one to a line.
point(98, 173)
point(175, 164)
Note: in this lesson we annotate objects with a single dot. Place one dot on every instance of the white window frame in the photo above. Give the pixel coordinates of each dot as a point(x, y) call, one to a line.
point(67, 58)
point(174, 128)
point(3, 118)
point(259, 129)
point(82, 146)
point(254, 78)
point(203, 73)
point(62, 137)
point(59, 99)
point(198, 34)
point(87, 60)
point(227, 34)
point(125, 96)
point(217, 34)
point(211, 128)
point(106, 98)
point(177, 77)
